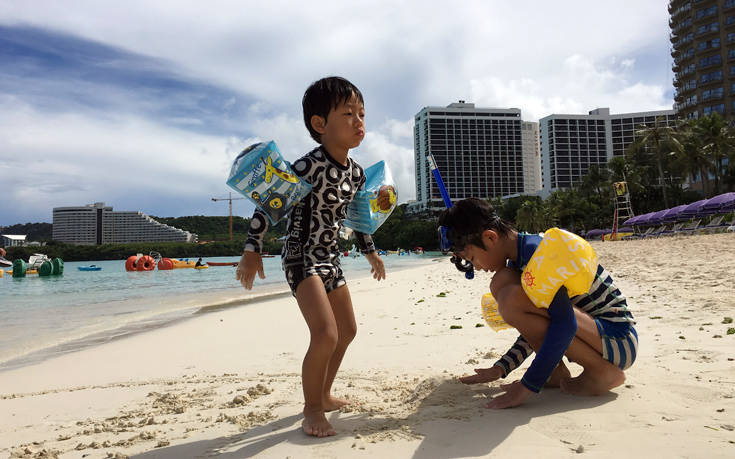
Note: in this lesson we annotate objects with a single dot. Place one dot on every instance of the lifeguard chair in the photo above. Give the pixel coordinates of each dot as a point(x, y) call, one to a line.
point(623, 209)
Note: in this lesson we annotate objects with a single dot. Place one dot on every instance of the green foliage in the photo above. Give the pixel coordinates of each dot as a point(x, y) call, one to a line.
point(400, 231)
point(33, 231)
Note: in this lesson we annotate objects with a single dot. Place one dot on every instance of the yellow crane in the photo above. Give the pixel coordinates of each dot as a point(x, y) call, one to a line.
point(230, 198)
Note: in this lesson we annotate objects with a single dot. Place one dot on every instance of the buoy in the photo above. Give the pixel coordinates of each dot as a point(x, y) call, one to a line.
point(19, 268)
point(165, 264)
point(145, 263)
point(130, 263)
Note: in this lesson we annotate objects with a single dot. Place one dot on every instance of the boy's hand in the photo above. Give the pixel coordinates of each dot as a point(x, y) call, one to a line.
point(250, 263)
point(384, 197)
point(376, 265)
point(483, 375)
point(515, 394)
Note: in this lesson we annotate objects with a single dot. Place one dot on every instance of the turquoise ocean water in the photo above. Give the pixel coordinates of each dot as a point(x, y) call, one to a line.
point(44, 316)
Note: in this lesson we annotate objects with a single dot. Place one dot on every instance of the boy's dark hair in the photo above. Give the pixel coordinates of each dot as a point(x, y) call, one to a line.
point(467, 219)
point(324, 95)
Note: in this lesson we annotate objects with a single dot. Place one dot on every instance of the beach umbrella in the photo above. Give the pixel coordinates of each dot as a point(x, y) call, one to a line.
point(691, 210)
point(713, 205)
point(656, 217)
point(643, 219)
point(632, 220)
point(673, 214)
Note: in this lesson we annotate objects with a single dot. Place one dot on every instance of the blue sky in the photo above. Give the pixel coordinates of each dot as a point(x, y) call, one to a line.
point(143, 105)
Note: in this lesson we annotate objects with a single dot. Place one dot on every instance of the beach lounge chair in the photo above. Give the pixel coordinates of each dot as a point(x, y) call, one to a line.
point(722, 227)
point(674, 229)
point(655, 232)
point(691, 227)
point(712, 225)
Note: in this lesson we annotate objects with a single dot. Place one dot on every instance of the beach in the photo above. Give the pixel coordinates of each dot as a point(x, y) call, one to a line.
point(227, 381)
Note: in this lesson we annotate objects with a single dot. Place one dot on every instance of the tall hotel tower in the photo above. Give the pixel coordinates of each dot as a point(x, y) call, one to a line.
point(703, 48)
point(570, 144)
point(478, 151)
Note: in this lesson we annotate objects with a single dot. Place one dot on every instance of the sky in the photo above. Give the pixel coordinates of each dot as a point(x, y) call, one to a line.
point(144, 105)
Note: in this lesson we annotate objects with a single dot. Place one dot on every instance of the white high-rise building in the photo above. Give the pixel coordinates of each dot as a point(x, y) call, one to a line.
point(96, 224)
point(570, 144)
point(531, 157)
point(479, 152)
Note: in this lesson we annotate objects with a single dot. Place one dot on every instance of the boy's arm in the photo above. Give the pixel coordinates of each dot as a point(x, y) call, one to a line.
point(515, 356)
point(365, 242)
point(259, 225)
point(559, 335)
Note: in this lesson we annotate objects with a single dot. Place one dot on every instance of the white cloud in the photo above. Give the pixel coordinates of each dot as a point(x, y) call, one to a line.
point(541, 57)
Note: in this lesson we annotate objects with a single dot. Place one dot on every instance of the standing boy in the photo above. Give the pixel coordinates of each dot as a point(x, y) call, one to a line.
point(334, 114)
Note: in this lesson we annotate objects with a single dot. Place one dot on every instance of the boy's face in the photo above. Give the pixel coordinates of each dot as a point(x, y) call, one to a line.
point(345, 125)
point(486, 258)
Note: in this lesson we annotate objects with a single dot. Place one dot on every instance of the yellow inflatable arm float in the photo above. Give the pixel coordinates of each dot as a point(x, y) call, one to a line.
point(561, 259)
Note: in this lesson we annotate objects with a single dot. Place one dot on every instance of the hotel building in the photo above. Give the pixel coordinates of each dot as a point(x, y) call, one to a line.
point(531, 157)
point(570, 144)
point(479, 152)
point(96, 224)
point(703, 47)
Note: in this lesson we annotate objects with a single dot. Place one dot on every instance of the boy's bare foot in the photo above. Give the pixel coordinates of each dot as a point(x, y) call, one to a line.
point(560, 372)
point(594, 383)
point(316, 424)
point(332, 403)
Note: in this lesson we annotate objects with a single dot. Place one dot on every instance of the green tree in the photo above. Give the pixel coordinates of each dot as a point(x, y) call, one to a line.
point(717, 140)
point(534, 216)
point(657, 140)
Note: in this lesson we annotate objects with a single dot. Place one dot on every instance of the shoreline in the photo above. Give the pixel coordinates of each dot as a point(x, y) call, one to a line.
point(225, 299)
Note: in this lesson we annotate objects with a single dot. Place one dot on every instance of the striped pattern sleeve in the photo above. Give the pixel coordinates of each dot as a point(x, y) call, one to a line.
point(515, 356)
point(604, 300)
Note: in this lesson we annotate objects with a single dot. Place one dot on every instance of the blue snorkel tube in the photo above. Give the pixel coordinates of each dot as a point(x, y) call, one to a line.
point(445, 244)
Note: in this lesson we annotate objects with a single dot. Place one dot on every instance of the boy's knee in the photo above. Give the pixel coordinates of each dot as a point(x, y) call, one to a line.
point(348, 333)
point(325, 337)
point(502, 279)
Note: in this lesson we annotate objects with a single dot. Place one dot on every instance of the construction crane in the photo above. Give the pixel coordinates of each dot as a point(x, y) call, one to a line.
point(230, 198)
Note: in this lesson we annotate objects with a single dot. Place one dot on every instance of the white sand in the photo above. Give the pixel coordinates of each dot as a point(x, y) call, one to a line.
point(228, 381)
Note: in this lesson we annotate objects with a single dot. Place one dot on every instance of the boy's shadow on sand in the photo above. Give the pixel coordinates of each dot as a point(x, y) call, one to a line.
point(450, 421)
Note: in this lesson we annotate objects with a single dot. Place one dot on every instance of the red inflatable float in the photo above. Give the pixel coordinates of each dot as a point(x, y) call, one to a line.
point(144, 263)
point(165, 264)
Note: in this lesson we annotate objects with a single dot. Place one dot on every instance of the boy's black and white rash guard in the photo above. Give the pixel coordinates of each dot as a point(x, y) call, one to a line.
point(314, 223)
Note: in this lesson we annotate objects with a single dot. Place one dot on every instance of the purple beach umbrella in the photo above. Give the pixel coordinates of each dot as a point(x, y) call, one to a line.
point(657, 216)
point(691, 210)
point(713, 205)
point(673, 214)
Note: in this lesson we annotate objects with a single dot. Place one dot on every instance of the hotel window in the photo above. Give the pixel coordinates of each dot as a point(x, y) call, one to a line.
point(706, 12)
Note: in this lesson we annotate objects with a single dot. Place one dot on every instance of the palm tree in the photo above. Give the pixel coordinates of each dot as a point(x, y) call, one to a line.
point(717, 139)
point(694, 157)
point(596, 179)
point(658, 140)
point(534, 216)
